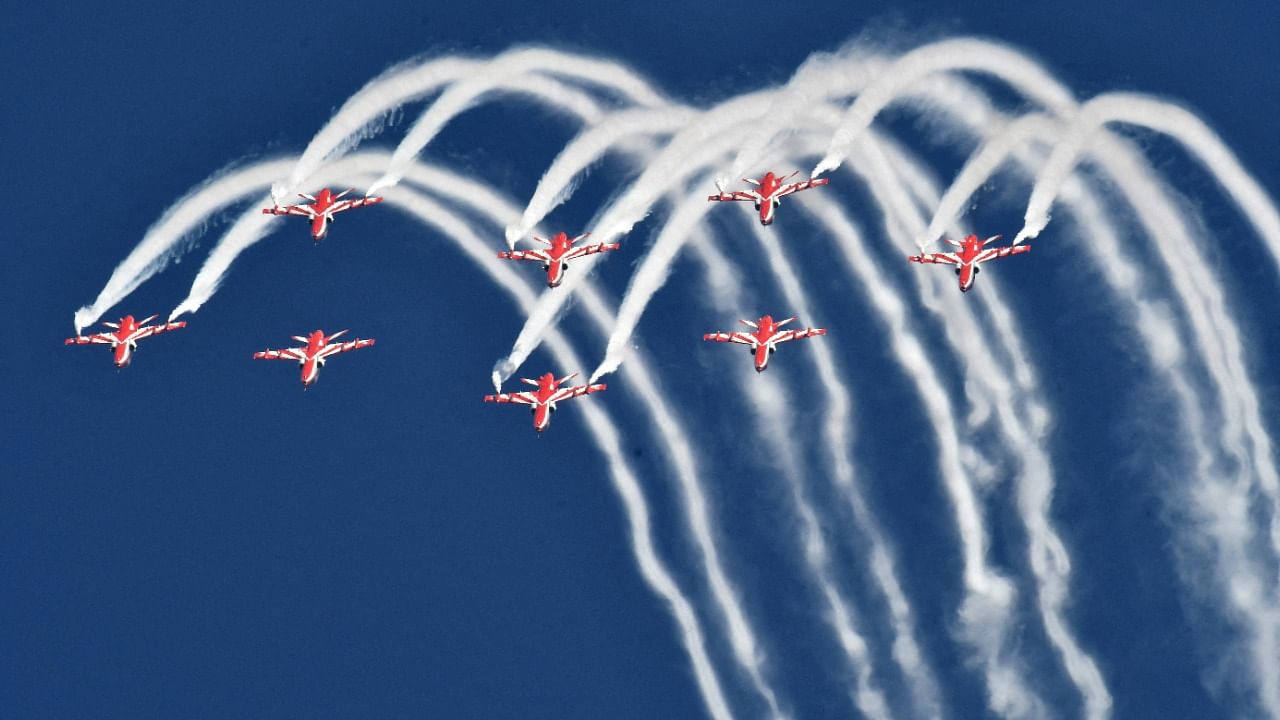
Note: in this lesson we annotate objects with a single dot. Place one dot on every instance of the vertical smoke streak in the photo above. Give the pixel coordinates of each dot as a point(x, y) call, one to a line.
point(768, 398)
point(680, 453)
point(625, 482)
point(1219, 345)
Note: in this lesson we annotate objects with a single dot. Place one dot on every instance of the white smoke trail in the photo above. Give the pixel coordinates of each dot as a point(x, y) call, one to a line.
point(648, 279)
point(163, 241)
point(986, 613)
point(1026, 433)
point(356, 119)
point(586, 149)
point(1167, 118)
point(253, 226)
point(1223, 353)
point(839, 429)
point(625, 483)
point(945, 56)
point(362, 165)
point(979, 168)
point(681, 455)
point(699, 143)
point(499, 73)
point(556, 186)
point(770, 402)
point(817, 81)
point(1157, 215)
point(991, 595)
point(1032, 82)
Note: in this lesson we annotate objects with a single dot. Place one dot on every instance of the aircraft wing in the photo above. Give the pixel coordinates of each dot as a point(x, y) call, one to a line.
point(1000, 252)
point(573, 392)
point(578, 252)
point(294, 354)
point(732, 196)
point(938, 258)
point(157, 329)
point(733, 337)
point(336, 348)
point(349, 204)
point(787, 335)
point(536, 255)
point(300, 210)
point(95, 339)
point(802, 185)
point(520, 398)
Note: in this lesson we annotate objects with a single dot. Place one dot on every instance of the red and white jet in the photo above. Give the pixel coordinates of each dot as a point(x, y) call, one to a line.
point(769, 192)
point(324, 205)
point(124, 336)
point(973, 252)
point(764, 341)
point(543, 400)
point(555, 261)
point(317, 348)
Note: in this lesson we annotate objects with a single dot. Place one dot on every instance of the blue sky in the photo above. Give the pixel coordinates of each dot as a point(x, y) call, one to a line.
point(194, 536)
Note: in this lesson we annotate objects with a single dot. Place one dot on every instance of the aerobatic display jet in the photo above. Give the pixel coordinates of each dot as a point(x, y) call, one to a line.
point(324, 205)
point(124, 336)
point(973, 252)
point(317, 347)
point(765, 338)
point(768, 193)
point(543, 400)
point(555, 260)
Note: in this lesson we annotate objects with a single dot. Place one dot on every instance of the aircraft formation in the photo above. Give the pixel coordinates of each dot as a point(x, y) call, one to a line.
point(762, 340)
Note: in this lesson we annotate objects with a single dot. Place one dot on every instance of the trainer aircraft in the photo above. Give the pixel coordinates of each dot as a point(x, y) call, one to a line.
point(764, 338)
point(323, 206)
point(768, 193)
point(542, 401)
point(973, 252)
point(316, 348)
point(124, 336)
point(556, 258)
